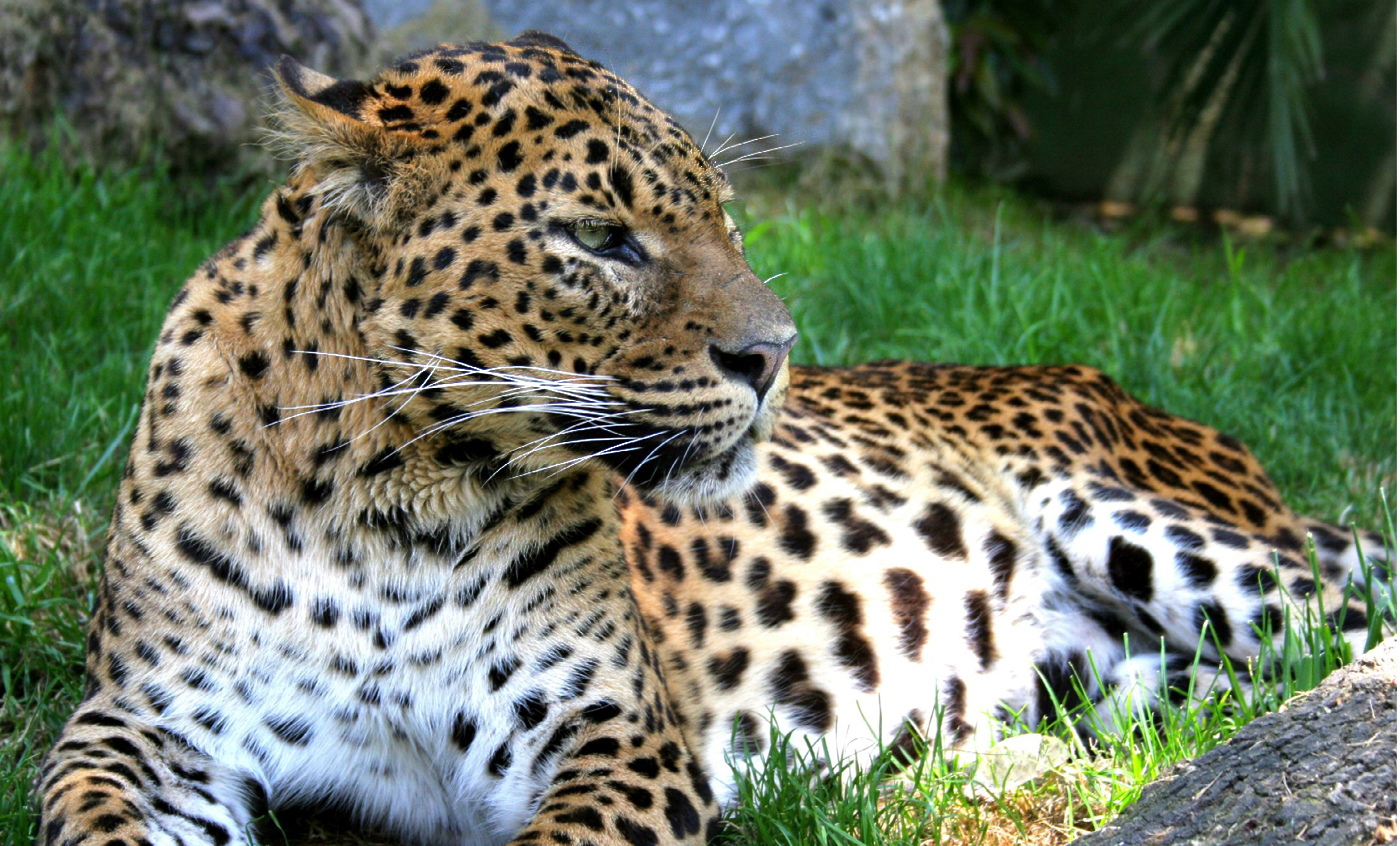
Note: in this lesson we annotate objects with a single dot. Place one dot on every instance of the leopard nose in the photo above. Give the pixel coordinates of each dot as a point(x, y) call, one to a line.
point(756, 365)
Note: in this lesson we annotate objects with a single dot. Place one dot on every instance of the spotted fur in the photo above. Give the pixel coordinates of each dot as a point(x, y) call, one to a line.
point(453, 501)
point(958, 549)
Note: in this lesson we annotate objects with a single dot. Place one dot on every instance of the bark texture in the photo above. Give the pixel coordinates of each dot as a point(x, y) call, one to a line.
point(1320, 771)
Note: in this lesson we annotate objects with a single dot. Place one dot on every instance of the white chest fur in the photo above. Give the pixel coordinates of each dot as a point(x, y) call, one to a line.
point(429, 689)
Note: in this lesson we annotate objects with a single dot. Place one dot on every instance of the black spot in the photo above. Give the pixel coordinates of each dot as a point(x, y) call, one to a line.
point(501, 672)
point(1225, 537)
point(531, 564)
point(385, 460)
point(1076, 513)
point(909, 601)
point(273, 599)
point(597, 152)
point(463, 732)
point(508, 157)
point(1349, 619)
point(696, 621)
point(291, 730)
point(433, 92)
point(681, 814)
point(1132, 521)
point(1001, 558)
point(1214, 496)
point(1185, 538)
point(601, 712)
point(622, 186)
point(444, 258)
point(796, 540)
point(436, 304)
point(1219, 622)
point(1130, 568)
point(1061, 681)
point(253, 365)
point(570, 129)
point(635, 833)
point(645, 767)
point(324, 612)
point(1269, 620)
point(791, 687)
point(979, 627)
point(531, 710)
point(842, 608)
point(500, 760)
point(727, 670)
point(941, 531)
point(775, 603)
point(1199, 572)
point(797, 475)
point(479, 269)
point(858, 536)
point(606, 747)
point(395, 113)
point(1257, 579)
point(515, 251)
point(495, 340)
point(669, 562)
point(459, 110)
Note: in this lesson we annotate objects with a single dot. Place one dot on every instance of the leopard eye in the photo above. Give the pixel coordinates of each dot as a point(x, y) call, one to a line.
point(598, 236)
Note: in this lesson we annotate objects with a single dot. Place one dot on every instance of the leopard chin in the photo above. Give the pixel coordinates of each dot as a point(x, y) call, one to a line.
point(677, 477)
point(709, 481)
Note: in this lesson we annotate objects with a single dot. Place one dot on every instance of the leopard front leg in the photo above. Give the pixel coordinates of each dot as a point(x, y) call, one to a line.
point(112, 780)
point(628, 777)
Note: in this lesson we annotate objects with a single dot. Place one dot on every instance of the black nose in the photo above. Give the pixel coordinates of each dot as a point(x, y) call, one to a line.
point(757, 364)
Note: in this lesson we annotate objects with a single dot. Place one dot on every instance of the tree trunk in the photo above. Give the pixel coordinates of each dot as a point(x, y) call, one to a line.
point(1320, 771)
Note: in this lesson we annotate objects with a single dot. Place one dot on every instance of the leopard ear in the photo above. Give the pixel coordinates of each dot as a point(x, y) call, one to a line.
point(322, 97)
point(535, 38)
point(321, 126)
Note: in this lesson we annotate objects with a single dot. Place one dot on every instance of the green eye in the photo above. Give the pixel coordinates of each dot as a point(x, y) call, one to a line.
point(598, 236)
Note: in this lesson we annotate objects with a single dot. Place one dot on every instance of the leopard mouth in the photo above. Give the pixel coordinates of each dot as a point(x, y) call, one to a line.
point(679, 463)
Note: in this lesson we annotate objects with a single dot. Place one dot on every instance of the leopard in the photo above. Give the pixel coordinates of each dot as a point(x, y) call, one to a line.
point(473, 497)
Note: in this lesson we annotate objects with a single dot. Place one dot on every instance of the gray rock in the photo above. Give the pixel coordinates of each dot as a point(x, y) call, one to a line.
point(1320, 771)
point(866, 76)
point(184, 79)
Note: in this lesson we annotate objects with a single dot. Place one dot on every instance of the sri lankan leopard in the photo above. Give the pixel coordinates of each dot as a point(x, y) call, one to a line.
point(465, 497)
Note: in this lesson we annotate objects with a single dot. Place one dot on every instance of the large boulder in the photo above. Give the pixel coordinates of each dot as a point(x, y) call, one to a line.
point(184, 80)
point(865, 77)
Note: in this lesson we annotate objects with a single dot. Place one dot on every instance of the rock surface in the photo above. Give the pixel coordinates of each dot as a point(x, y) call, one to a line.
point(863, 76)
point(1320, 771)
point(184, 79)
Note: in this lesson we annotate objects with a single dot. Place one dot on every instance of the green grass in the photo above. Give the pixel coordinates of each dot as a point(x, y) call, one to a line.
point(1293, 351)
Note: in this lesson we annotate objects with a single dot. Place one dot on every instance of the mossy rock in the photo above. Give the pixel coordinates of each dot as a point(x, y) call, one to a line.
point(184, 82)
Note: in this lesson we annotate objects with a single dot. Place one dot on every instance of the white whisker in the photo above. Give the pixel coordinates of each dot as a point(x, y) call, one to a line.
point(642, 463)
point(561, 466)
point(714, 120)
point(758, 153)
point(729, 146)
point(722, 147)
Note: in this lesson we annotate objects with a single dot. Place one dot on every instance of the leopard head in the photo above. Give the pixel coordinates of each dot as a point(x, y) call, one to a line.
point(550, 273)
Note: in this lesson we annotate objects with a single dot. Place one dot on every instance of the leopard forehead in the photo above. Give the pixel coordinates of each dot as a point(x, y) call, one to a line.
point(505, 111)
